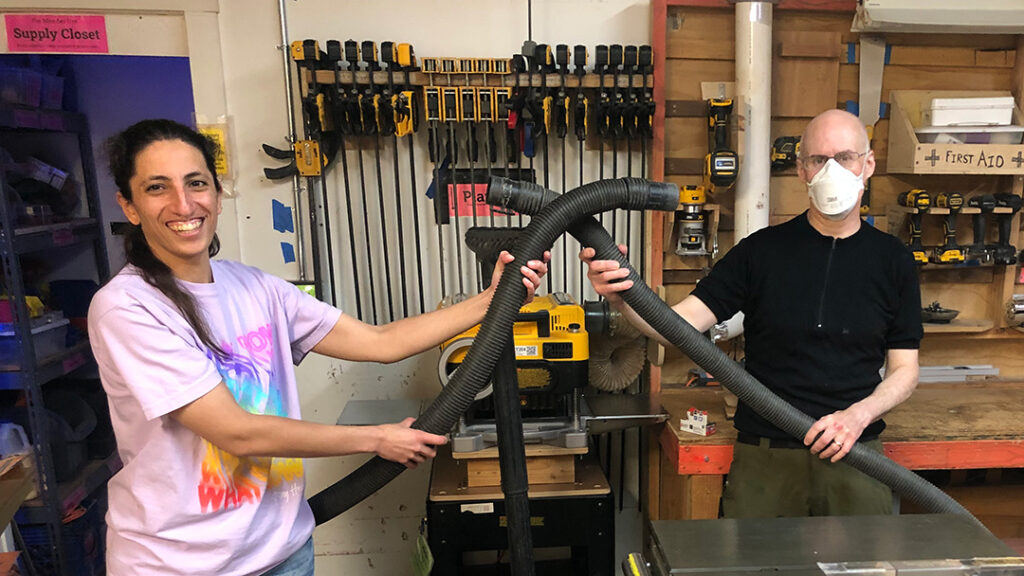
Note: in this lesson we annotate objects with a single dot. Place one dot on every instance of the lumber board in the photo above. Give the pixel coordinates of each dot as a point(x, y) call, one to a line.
point(807, 44)
point(683, 77)
point(926, 78)
point(803, 87)
point(700, 34)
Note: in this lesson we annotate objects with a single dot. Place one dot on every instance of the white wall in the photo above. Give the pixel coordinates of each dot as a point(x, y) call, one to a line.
point(377, 536)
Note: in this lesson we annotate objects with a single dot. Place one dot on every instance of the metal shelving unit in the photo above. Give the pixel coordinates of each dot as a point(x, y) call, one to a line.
point(30, 374)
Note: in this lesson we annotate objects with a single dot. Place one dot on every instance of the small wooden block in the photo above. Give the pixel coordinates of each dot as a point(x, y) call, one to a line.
point(7, 562)
point(539, 470)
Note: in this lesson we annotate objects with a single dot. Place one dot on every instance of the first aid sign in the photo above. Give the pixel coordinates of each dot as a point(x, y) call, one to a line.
point(85, 33)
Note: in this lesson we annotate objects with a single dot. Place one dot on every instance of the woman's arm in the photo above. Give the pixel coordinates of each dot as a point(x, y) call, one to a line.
point(220, 420)
point(351, 339)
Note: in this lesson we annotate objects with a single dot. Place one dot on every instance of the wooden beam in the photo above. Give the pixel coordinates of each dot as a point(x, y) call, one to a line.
point(659, 21)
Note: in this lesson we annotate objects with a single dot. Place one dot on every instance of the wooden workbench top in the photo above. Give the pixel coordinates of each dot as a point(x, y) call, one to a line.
point(941, 426)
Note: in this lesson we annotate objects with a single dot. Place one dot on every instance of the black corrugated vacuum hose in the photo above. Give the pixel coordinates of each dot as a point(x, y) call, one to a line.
point(528, 198)
point(475, 371)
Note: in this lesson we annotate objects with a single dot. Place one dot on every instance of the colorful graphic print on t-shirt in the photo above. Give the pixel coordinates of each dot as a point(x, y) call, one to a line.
point(229, 481)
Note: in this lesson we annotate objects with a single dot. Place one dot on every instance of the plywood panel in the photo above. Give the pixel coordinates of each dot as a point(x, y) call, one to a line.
point(929, 78)
point(788, 195)
point(700, 34)
point(807, 44)
point(683, 77)
point(940, 55)
point(686, 137)
point(835, 22)
point(803, 87)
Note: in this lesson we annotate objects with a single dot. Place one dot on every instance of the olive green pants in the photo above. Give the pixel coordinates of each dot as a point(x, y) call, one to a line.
point(767, 482)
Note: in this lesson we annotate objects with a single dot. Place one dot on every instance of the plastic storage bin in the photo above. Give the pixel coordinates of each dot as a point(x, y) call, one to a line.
point(84, 538)
point(984, 111)
point(49, 337)
point(71, 421)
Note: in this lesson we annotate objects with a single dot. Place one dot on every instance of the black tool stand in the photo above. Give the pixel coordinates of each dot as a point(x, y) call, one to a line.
point(577, 516)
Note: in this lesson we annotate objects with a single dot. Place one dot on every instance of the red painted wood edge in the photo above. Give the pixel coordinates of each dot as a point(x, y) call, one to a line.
point(692, 459)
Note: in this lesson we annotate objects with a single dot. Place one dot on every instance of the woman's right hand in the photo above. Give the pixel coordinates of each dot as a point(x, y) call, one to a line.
point(406, 445)
point(606, 275)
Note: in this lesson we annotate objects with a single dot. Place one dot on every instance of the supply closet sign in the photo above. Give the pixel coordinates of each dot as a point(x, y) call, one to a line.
point(84, 33)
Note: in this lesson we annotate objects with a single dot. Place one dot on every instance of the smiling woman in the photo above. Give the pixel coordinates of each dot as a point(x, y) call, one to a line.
point(196, 356)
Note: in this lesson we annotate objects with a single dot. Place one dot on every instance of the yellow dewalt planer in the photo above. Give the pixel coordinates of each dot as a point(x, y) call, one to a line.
point(552, 365)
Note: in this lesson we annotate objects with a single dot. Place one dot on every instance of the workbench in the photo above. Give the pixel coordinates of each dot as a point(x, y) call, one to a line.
point(973, 425)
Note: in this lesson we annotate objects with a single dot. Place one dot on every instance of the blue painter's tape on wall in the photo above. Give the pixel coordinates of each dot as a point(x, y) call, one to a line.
point(870, 220)
point(288, 252)
point(883, 109)
point(888, 52)
point(282, 217)
point(851, 52)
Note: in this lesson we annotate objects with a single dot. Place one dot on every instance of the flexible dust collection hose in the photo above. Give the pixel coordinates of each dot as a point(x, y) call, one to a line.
point(476, 369)
point(528, 198)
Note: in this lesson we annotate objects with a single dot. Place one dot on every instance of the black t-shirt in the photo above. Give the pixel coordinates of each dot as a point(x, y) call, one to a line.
point(820, 314)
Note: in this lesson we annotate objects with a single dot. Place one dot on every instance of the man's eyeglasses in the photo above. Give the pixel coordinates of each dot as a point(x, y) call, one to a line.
point(847, 159)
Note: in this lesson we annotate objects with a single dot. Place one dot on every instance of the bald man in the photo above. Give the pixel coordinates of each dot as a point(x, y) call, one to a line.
point(828, 300)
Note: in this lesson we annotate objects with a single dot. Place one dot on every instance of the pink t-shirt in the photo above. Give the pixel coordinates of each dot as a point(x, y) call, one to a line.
point(181, 505)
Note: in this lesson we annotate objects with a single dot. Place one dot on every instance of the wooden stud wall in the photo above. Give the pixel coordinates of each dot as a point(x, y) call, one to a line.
point(812, 72)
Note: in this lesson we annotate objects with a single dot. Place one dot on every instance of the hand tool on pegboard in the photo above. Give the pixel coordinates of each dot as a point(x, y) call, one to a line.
point(532, 112)
point(560, 121)
point(919, 201)
point(949, 252)
point(487, 114)
point(721, 163)
point(334, 59)
point(309, 152)
point(470, 114)
point(1005, 253)
point(451, 110)
point(979, 250)
point(356, 127)
point(369, 102)
point(438, 193)
point(645, 127)
point(507, 119)
point(581, 109)
point(521, 133)
point(601, 110)
point(387, 126)
point(615, 59)
point(406, 108)
point(627, 116)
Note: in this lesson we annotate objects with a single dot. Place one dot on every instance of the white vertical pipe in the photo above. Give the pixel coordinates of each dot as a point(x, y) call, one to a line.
point(754, 99)
point(753, 103)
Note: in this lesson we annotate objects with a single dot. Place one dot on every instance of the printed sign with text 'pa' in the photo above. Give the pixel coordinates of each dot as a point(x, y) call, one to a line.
point(80, 33)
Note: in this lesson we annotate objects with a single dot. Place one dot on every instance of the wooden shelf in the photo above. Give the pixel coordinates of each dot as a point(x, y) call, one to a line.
point(908, 155)
point(959, 326)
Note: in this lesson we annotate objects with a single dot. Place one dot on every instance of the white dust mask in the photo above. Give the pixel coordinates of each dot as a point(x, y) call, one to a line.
point(834, 189)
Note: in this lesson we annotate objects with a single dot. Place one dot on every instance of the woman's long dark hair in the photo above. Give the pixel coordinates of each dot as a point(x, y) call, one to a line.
point(122, 151)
